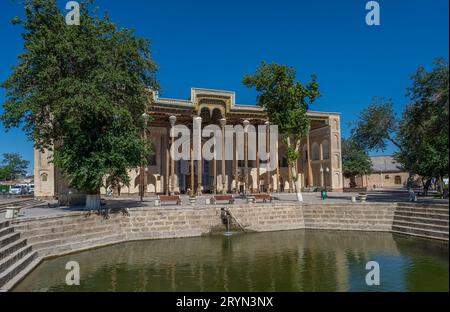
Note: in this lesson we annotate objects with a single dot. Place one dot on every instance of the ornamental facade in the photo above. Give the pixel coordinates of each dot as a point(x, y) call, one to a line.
point(320, 164)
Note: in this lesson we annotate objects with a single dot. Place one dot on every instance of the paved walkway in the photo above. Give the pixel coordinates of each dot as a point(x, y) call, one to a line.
point(309, 198)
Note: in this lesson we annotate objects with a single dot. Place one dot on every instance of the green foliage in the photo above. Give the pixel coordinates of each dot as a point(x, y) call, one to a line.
point(355, 160)
point(285, 100)
point(13, 166)
point(425, 124)
point(376, 125)
point(4, 188)
point(421, 135)
point(5, 173)
point(291, 155)
point(81, 91)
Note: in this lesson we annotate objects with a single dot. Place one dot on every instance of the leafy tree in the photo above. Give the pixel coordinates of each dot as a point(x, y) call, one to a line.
point(13, 166)
point(424, 127)
point(421, 135)
point(5, 173)
point(80, 90)
point(355, 160)
point(286, 102)
point(377, 125)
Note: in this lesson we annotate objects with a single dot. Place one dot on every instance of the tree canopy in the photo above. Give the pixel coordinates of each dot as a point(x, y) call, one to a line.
point(424, 126)
point(286, 102)
point(355, 160)
point(80, 90)
point(13, 166)
point(376, 126)
point(421, 134)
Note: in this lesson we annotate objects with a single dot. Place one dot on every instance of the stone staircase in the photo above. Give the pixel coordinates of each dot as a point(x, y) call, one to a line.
point(24, 243)
point(423, 221)
point(23, 203)
point(15, 253)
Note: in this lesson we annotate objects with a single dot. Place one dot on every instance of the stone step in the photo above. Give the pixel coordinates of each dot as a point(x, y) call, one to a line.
point(40, 224)
point(8, 249)
point(4, 224)
point(14, 257)
point(421, 226)
point(16, 268)
point(66, 234)
point(419, 232)
point(14, 203)
point(422, 214)
point(423, 205)
point(420, 219)
point(8, 239)
point(48, 230)
point(26, 203)
point(82, 245)
point(34, 231)
point(443, 211)
point(70, 240)
point(6, 231)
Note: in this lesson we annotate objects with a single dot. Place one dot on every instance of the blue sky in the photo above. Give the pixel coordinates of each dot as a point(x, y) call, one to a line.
point(213, 44)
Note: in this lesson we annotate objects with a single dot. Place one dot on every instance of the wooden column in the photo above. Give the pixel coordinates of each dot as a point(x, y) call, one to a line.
point(277, 171)
point(214, 167)
point(223, 122)
point(235, 165)
point(257, 164)
point(172, 119)
point(199, 161)
point(192, 186)
point(268, 173)
point(166, 173)
point(246, 122)
point(310, 178)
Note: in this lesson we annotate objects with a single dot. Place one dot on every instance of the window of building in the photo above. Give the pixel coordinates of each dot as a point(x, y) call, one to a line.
point(386, 177)
point(398, 180)
point(315, 151)
point(325, 150)
point(44, 177)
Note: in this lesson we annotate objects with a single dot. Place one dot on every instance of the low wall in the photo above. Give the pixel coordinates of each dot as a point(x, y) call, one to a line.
point(75, 231)
point(70, 232)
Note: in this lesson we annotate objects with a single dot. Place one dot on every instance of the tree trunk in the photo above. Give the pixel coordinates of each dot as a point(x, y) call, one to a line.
point(290, 178)
point(294, 173)
point(441, 185)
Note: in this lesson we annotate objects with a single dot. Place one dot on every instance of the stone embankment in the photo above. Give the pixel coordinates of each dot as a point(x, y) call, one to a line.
point(24, 242)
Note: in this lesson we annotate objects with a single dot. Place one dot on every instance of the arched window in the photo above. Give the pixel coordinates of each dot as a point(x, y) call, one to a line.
point(325, 149)
point(315, 151)
point(44, 177)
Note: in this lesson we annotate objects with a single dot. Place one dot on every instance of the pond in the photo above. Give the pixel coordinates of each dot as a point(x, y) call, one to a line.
point(303, 260)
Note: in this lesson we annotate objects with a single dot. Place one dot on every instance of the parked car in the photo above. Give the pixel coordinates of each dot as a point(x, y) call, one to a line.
point(17, 190)
point(31, 189)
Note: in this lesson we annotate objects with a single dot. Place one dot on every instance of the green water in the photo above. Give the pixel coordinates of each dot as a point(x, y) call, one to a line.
point(304, 260)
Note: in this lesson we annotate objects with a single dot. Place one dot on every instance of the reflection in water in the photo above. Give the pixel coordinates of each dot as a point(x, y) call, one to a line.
point(304, 260)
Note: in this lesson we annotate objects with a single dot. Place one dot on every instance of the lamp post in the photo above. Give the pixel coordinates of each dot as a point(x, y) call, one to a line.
point(321, 176)
point(328, 171)
point(145, 118)
point(172, 120)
